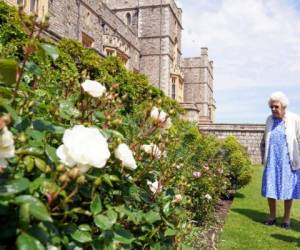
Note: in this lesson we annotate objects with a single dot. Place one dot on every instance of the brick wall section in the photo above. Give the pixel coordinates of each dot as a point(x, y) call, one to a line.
point(249, 135)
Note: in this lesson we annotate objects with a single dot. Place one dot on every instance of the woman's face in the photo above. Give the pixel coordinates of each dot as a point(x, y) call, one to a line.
point(277, 109)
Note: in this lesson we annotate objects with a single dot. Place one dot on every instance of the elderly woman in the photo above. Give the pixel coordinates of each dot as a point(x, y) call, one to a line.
point(281, 177)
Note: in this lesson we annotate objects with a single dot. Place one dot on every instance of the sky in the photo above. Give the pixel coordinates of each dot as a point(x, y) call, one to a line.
point(255, 46)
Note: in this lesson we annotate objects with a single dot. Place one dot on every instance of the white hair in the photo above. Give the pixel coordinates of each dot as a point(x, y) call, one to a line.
point(279, 97)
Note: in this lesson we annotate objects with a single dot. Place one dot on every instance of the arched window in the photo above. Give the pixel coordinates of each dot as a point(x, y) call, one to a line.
point(128, 19)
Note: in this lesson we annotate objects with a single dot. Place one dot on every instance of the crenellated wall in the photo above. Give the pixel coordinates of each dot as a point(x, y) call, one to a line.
point(249, 135)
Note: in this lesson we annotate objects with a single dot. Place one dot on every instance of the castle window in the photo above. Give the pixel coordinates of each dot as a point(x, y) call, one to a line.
point(33, 5)
point(87, 41)
point(110, 52)
point(123, 57)
point(173, 88)
point(128, 19)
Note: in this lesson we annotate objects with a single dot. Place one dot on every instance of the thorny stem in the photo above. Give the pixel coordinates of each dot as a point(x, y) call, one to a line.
point(20, 71)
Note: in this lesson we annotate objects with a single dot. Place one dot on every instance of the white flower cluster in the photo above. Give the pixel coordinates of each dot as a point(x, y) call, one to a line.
point(161, 117)
point(93, 88)
point(7, 146)
point(153, 150)
point(87, 147)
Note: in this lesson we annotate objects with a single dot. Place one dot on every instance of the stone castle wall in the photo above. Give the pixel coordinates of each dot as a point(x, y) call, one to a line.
point(71, 18)
point(146, 35)
point(249, 135)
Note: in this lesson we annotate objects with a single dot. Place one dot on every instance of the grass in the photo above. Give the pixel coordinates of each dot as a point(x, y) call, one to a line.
point(244, 228)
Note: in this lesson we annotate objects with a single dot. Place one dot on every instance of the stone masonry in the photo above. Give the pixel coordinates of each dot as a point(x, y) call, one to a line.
point(198, 90)
point(146, 35)
point(249, 135)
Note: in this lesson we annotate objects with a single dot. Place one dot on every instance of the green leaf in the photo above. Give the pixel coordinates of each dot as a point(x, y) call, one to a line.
point(186, 247)
point(166, 208)
point(170, 232)
point(156, 246)
point(51, 153)
point(107, 180)
point(8, 71)
point(24, 215)
point(41, 125)
point(33, 68)
point(152, 217)
point(29, 162)
point(37, 209)
point(41, 165)
point(6, 92)
point(108, 133)
point(123, 236)
point(99, 115)
point(34, 185)
point(96, 205)
point(82, 236)
point(22, 124)
point(27, 242)
point(30, 151)
point(50, 50)
point(112, 215)
point(67, 110)
point(14, 187)
point(85, 227)
point(103, 222)
point(48, 186)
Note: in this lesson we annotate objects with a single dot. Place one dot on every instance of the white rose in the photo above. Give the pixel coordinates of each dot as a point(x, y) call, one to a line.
point(161, 117)
point(94, 88)
point(7, 147)
point(208, 197)
point(123, 153)
point(157, 114)
point(153, 149)
point(84, 147)
point(154, 186)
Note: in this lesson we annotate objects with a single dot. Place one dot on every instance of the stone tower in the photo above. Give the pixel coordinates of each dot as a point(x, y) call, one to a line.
point(198, 88)
point(158, 25)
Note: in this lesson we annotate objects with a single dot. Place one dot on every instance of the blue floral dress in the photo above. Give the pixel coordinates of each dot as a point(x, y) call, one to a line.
point(279, 180)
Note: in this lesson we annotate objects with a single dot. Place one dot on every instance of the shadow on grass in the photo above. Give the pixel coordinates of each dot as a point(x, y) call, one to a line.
point(261, 217)
point(287, 238)
point(239, 195)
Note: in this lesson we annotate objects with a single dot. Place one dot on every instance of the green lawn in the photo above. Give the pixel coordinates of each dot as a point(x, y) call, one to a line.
point(244, 228)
